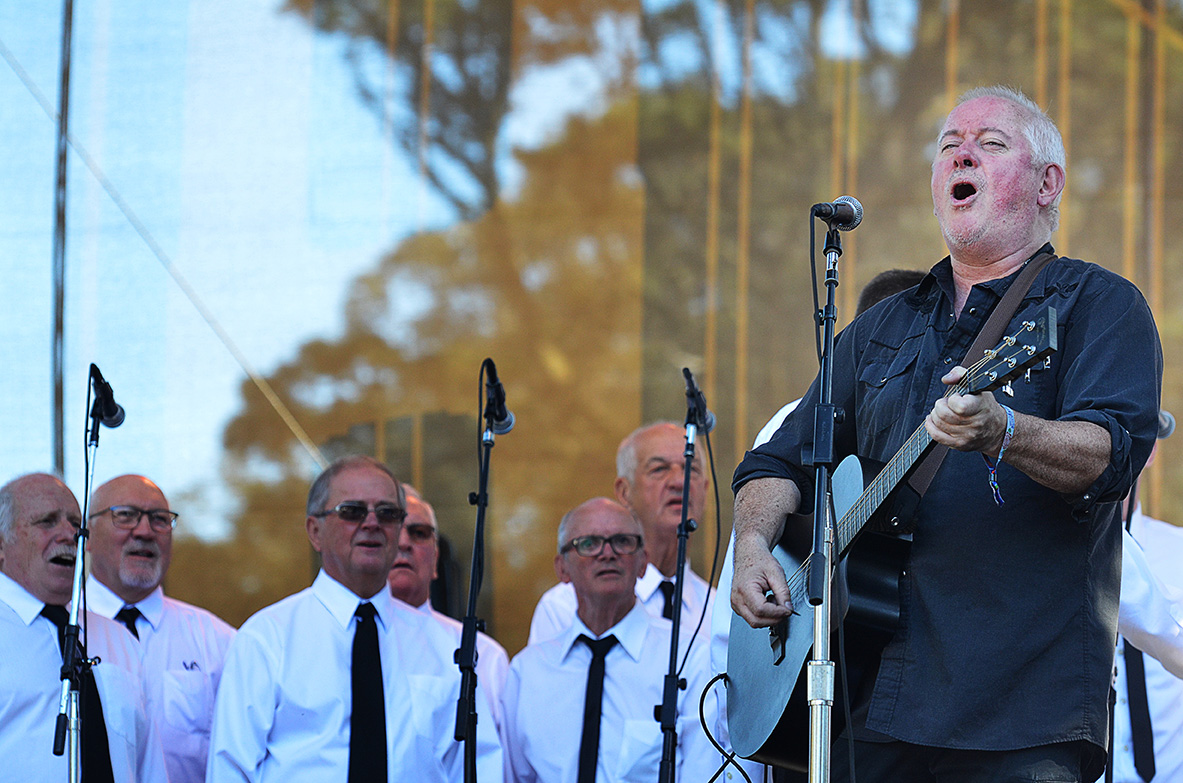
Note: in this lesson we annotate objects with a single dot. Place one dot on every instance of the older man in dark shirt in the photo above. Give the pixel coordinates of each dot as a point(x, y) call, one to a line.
point(1000, 666)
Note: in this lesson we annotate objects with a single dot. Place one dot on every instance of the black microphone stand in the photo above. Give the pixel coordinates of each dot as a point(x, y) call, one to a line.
point(820, 682)
point(466, 656)
point(74, 661)
point(666, 713)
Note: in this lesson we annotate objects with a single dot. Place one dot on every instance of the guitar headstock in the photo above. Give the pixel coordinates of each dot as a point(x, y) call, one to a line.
point(1033, 342)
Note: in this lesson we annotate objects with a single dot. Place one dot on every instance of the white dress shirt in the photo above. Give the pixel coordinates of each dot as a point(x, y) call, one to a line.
point(1154, 622)
point(543, 706)
point(556, 608)
point(31, 687)
point(283, 706)
point(492, 662)
point(181, 648)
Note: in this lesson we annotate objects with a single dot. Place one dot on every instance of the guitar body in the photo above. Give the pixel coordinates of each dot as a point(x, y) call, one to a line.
point(767, 706)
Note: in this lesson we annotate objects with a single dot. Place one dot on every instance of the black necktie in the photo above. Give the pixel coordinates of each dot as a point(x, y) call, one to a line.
point(589, 745)
point(667, 590)
point(367, 724)
point(1135, 681)
point(128, 616)
point(96, 753)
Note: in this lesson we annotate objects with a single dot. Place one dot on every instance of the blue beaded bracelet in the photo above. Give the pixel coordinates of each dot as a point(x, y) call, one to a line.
point(993, 464)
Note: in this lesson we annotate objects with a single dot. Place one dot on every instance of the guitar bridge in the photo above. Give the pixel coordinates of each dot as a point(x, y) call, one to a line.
point(777, 635)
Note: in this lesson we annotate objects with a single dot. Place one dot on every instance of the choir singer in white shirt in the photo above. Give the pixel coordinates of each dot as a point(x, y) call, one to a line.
point(571, 720)
point(335, 682)
point(181, 646)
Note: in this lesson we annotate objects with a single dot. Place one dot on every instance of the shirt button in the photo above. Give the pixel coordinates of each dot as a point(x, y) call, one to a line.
point(948, 360)
point(1088, 497)
point(973, 310)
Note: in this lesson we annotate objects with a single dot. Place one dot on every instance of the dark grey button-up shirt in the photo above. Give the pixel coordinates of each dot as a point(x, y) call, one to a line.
point(1008, 613)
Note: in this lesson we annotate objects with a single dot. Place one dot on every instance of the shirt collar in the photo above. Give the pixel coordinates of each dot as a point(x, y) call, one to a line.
point(342, 602)
point(629, 632)
point(104, 601)
point(23, 603)
point(942, 273)
point(648, 584)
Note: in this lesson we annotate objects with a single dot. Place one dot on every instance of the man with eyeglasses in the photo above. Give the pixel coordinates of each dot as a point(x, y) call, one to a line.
point(608, 667)
point(415, 566)
point(181, 646)
point(336, 682)
point(649, 481)
point(118, 742)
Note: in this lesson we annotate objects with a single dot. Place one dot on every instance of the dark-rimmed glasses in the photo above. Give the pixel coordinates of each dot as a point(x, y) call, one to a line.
point(592, 546)
point(356, 511)
point(127, 517)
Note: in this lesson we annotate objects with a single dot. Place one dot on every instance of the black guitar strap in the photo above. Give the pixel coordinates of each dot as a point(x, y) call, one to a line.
point(989, 336)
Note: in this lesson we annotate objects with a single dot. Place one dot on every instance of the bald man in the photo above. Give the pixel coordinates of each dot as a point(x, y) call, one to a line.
point(181, 646)
point(579, 707)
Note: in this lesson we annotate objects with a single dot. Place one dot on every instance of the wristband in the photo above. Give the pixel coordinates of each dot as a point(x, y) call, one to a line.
point(993, 464)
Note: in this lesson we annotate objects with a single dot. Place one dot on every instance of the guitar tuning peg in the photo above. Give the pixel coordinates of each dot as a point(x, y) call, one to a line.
point(1027, 376)
point(1010, 392)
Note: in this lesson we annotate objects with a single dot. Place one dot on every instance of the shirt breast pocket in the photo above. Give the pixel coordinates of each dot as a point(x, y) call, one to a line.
point(188, 701)
point(118, 690)
point(640, 751)
point(884, 384)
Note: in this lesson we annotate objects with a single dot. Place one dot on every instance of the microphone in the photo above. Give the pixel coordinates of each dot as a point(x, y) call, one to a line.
point(703, 418)
point(500, 418)
point(106, 410)
point(843, 213)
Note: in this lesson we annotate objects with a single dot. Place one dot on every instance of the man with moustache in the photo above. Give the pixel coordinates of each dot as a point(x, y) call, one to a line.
point(649, 477)
point(608, 667)
point(1001, 663)
point(181, 646)
point(39, 519)
point(414, 568)
point(334, 682)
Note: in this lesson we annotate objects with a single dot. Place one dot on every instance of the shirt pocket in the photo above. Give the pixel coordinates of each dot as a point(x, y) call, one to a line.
point(188, 698)
point(118, 691)
point(640, 751)
point(884, 384)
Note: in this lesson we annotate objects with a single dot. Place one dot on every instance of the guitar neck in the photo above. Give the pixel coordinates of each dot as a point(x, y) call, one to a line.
point(877, 491)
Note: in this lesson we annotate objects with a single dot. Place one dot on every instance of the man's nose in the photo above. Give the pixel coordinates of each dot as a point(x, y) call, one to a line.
point(963, 159)
point(65, 529)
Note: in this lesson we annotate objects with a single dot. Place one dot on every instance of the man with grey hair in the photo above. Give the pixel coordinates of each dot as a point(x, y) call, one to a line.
point(649, 477)
point(39, 521)
point(1000, 665)
point(181, 646)
point(335, 682)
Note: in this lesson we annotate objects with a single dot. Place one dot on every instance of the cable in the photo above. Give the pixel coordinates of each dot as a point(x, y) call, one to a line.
point(715, 560)
point(729, 756)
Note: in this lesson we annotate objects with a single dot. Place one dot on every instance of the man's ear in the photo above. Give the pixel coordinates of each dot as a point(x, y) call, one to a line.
point(642, 562)
point(621, 488)
point(312, 525)
point(1052, 185)
point(561, 569)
